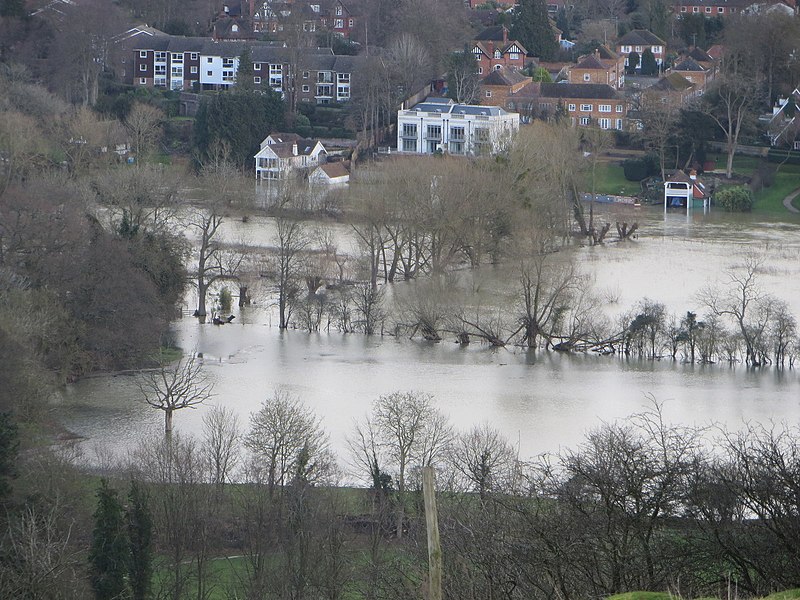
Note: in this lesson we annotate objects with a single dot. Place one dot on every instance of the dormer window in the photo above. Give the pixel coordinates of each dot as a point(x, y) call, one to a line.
point(338, 10)
point(234, 28)
point(497, 54)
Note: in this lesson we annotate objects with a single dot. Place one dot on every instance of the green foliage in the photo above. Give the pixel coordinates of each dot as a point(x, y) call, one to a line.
point(225, 300)
point(108, 555)
point(239, 120)
point(542, 75)
point(734, 199)
point(140, 536)
point(633, 61)
point(636, 169)
point(9, 446)
point(531, 27)
point(785, 595)
point(649, 64)
point(245, 72)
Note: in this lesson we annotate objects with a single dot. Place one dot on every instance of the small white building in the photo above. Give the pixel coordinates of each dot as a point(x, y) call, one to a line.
point(440, 125)
point(332, 173)
point(285, 153)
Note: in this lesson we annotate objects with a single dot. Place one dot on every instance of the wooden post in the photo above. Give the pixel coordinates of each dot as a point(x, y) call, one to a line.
point(432, 525)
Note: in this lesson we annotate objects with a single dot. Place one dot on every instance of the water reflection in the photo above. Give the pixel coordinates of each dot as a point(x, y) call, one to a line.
point(541, 400)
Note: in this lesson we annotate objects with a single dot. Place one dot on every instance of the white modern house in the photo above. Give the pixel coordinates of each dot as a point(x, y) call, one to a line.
point(282, 154)
point(438, 125)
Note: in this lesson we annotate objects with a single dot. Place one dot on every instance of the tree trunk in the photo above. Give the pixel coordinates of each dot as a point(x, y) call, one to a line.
point(168, 422)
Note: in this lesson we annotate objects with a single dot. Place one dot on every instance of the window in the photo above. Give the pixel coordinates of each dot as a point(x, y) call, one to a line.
point(434, 132)
point(343, 93)
point(488, 93)
point(604, 123)
point(343, 77)
point(256, 79)
point(708, 9)
point(306, 88)
point(497, 54)
point(587, 77)
point(227, 63)
point(193, 56)
point(409, 130)
point(457, 133)
point(350, 23)
point(683, 9)
point(498, 67)
point(142, 53)
point(480, 70)
point(143, 67)
point(338, 10)
point(142, 81)
point(720, 9)
point(571, 107)
point(161, 69)
point(193, 70)
point(177, 57)
point(639, 49)
point(605, 108)
point(338, 24)
point(585, 120)
point(227, 76)
point(514, 56)
point(586, 108)
point(409, 145)
point(619, 108)
point(210, 73)
point(256, 66)
point(209, 60)
point(619, 123)
point(695, 9)
point(161, 56)
point(305, 74)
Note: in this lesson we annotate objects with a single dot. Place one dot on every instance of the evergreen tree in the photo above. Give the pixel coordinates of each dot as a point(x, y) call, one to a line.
point(240, 121)
point(9, 445)
point(245, 72)
point(633, 62)
point(108, 555)
point(140, 536)
point(531, 27)
point(649, 64)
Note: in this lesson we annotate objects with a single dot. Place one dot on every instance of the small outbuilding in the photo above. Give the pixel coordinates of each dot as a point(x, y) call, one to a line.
point(685, 191)
point(332, 173)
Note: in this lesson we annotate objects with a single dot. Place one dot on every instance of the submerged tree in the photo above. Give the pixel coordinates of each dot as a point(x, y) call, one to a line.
point(171, 388)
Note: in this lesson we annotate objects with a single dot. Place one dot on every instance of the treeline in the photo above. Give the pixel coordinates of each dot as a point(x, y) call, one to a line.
point(639, 505)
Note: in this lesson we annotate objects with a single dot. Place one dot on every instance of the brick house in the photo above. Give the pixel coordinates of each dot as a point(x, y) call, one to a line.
point(492, 50)
point(638, 40)
point(672, 90)
point(501, 86)
point(694, 72)
point(179, 63)
point(584, 104)
point(723, 8)
point(602, 66)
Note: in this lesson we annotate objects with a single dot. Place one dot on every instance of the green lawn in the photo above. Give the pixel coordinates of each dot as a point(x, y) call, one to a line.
point(769, 200)
point(611, 180)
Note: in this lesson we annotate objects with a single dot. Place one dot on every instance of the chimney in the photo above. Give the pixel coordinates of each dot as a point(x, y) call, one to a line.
point(505, 35)
point(693, 175)
point(294, 149)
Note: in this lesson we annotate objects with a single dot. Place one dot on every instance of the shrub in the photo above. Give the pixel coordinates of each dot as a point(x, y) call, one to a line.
point(735, 199)
point(636, 169)
point(225, 300)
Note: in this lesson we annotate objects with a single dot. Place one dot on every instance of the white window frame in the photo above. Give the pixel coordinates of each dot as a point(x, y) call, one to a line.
point(306, 88)
point(142, 81)
point(604, 108)
point(571, 107)
point(587, 77)
point(585, 121)
point(619, 108)
point(193, 70)
point(143, 67)
point(488, 93)
point(586, 108)
point(193, 56)
point(256, 66)
point(708, 9)
point(142, 53)
point(256, 79)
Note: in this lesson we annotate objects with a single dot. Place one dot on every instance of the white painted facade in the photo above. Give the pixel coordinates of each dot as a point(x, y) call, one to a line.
point(461, 129)
point(216, 70)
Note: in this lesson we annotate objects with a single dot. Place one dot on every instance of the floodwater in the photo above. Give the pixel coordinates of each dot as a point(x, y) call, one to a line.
point(542, 401)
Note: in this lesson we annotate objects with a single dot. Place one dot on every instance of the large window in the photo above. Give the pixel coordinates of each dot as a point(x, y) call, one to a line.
point(457, 133)
point(409, 130)
point(605, 108)
point(409, 145)
point(586, 107)
point(604, 123)
point(434, 132)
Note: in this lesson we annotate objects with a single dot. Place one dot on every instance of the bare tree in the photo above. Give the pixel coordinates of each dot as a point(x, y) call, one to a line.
point(222, 437)
point(287, 440)
point(484, 459)
point(745, 304)
point(292, 240)
point(143, 123)
point(171, 388)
